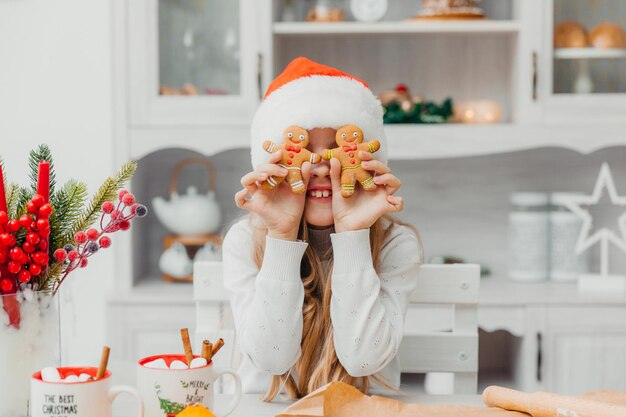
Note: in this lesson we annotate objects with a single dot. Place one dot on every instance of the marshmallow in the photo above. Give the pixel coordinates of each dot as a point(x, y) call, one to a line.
point(198, 362)
point(50, 374)
point(178, 365)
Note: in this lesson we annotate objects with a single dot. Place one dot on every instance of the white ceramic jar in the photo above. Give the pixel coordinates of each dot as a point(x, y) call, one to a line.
point(565, 264)
point(528, 237)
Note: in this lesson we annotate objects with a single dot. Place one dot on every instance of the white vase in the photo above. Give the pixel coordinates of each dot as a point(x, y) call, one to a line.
point(29, 341)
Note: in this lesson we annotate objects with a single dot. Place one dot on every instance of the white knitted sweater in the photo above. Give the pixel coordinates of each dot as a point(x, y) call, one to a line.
point(367, 308)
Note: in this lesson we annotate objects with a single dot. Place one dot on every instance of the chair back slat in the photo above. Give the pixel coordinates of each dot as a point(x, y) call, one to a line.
point(450, 347)
point(447, 284)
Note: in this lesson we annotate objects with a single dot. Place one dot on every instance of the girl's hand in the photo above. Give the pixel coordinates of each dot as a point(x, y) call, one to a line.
point(280, 209)
point(364, 207)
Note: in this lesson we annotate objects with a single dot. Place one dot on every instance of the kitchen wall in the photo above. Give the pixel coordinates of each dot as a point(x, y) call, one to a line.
point(459, 205)
point(55, 87)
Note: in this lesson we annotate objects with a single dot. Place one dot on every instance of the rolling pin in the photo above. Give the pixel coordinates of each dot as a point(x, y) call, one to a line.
point(544, 404)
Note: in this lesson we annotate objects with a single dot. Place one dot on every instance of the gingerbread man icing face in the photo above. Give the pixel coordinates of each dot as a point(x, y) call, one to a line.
point(349, 135)
point(297, 136)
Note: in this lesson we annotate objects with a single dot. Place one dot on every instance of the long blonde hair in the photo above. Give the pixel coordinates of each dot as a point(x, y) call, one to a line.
point(318, 363)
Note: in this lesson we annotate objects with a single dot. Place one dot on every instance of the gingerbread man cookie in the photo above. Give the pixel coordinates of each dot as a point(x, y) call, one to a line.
point(295, 154)
point(350, 138)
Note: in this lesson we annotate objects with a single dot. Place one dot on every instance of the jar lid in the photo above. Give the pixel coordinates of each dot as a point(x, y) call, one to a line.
point(529, 199)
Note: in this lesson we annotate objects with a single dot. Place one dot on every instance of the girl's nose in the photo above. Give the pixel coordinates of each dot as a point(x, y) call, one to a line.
point(322, 169)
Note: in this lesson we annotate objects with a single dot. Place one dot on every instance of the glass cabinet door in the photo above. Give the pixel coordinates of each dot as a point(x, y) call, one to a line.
point(586, 40)
point(199, 47)
point(193, 62)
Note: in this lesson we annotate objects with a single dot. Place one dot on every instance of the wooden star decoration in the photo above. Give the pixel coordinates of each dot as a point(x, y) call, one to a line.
point(603, 235)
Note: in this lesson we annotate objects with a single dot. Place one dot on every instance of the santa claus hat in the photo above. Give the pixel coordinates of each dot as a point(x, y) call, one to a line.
point(312, 95)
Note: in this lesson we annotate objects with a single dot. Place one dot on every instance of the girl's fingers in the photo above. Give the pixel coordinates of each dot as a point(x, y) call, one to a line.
point(376, 166)
point(366, 156)
point(335, 171)
point(272, 169)
point(275, 157)
point(306, 173)
point(396, 203)
point(389, 181)
point(241, 198)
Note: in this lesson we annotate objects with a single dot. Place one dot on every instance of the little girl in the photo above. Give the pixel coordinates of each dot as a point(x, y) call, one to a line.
point(319, 283)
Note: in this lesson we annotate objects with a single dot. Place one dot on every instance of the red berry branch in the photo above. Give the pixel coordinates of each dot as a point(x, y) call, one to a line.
point(26, 263)
point(92, 240)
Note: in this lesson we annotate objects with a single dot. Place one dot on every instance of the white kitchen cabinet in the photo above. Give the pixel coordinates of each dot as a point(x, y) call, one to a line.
point(564, 73)
point(209, 45)
point(584, 349)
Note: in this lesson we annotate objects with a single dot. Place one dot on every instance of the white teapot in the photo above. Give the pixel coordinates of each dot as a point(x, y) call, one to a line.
point(189, 214)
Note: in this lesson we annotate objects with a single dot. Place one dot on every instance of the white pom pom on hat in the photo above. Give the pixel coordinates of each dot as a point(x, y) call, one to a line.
point(313, 95)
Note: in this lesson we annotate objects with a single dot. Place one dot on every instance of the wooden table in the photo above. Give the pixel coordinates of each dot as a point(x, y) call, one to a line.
point(251, 405)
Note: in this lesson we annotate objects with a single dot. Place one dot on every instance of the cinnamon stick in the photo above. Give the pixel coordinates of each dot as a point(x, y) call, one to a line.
point(104, 361)
point(184, 334)
point(207, 350)
point(217, 346)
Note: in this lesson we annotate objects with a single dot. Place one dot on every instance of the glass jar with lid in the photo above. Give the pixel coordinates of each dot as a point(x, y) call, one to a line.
point(565, 264)
point(528, 236)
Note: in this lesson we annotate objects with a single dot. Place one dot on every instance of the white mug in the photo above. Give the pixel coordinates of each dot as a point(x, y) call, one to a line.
point(169, 391)
point(77, 399)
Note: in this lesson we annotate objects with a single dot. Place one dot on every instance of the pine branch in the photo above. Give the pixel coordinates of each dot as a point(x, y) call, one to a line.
point(68, 203)
point(40, 154)
point(12, 191)
point(106, 192)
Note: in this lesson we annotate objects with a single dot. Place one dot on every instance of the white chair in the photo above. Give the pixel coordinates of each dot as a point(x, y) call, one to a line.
point(453, 348)
point(444, 347)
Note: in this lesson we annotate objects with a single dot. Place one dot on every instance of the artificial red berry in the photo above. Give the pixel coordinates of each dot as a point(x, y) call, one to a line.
point(7, 239)
point(83, 262)
point(115, 214)
point(34, 269)
point(128, 199)
point(28, 247)
point(44, 233)
point(108, 207)
point(33, 238)
point(122, 194)
point(31, 207)
point(6, 285)
point(4, 217)
point(43, 245)
point(24, 276)
point(3, 258)
point(40, 258)
point(15, 254)
point(80, 237)
point(105, 242)
point(25, 221)
point(93, 234)
point(14, 267)
point(24, 259)
point(45, 210)
point(43, 224)
point(38, 200)
point(124, 225)
point(60, 255)
point(13, 226)
point(72, 255)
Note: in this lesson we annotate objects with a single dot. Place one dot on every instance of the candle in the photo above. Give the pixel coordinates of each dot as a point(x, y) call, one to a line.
point(43, 181)
point(3, 197)
point(478, 112)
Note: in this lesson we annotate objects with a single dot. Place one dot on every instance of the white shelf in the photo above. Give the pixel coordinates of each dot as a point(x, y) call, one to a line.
point(153, 290)
point(408, 141)
point(460, 140)
point(460, 26)
point(589, 53)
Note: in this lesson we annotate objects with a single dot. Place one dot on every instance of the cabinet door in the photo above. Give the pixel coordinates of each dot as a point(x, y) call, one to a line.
point(137, 331)
point(584, 350)
point(583, 67)
point(193, 62)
